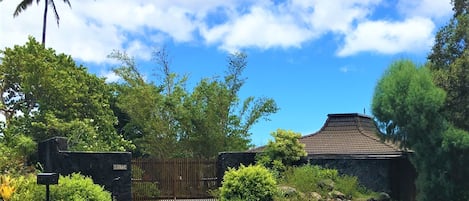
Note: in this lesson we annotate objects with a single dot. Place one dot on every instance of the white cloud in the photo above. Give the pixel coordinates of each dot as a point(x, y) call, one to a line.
point(110, 76)
point(260, 28)
point(411, 35)
point(333, 15)
point(425, 8)
point(90, 30)
point(136, 47)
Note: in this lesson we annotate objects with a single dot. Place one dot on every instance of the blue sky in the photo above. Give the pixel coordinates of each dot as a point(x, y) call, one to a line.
point(313, 57)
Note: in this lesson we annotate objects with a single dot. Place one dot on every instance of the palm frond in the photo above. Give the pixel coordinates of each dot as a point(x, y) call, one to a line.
point(51, 3)
point(22, 6)
point(67, 2)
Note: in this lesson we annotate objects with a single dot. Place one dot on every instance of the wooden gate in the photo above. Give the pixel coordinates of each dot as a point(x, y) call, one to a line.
point(154, 179)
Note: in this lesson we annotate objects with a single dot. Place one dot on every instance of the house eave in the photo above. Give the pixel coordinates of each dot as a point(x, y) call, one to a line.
point(357, 156)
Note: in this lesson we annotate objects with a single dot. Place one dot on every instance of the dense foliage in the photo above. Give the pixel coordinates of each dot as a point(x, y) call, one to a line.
point(45, 95)
point(284, 151)
point(308, 179)
point(74, 188)
point(426, 109)
point(449, 63)
point(254, 183)
point(408, 106)
point(167, 120)
point(15, 151)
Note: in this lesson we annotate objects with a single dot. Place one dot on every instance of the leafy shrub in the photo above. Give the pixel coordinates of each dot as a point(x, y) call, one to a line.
point(137, 172)
point(27, 189)
point(348, 185)
point(254, 183)
point(15, 150)
point(309, 179)
point(75, 187)
point(145, 189)
point(283, 152)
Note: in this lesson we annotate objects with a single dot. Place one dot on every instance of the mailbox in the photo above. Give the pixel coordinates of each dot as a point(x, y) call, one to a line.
point(47, 178)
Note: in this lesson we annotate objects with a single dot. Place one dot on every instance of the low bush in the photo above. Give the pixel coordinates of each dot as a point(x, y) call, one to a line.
point(253, 183)
point(15, 151)
point(308, 179)
point(282, 153)
point(145, 189)
point(75, 187)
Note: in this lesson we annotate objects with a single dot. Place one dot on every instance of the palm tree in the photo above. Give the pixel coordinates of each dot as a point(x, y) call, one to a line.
point(26, 3)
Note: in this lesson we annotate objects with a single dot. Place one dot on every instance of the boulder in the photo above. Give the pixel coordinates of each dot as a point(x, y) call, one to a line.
point(384, 197)
point(326, 184)
point(288, 191)
point(315, 196)
point(337, 195)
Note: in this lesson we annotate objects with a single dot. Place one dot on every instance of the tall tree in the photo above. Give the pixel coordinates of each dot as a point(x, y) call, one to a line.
point(449, 62)
point(408, 107)
point(220, 120)
point(46, 95)
point(24, 4)
point(150, 108)
point(167, 120)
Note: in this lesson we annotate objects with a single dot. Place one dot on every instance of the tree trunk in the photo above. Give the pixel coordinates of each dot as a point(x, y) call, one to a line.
point(44, 22)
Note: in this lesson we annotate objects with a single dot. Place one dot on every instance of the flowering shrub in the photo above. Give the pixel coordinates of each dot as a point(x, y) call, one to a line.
point(6, 187)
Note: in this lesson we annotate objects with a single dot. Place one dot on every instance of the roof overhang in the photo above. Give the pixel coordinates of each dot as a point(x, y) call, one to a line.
point(357, 156)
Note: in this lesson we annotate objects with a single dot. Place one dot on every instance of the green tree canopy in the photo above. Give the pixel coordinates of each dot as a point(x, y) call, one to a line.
point(408, 107)
point(167, 120)
point(406, 100)
point(449, 62)
point(46, 95)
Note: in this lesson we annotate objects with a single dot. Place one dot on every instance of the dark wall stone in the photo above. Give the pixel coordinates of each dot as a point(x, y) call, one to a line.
point(402, 179)
point(48, 151)
point(371, 173)
point(395, 176)
point(109, 169)
point(233, 160)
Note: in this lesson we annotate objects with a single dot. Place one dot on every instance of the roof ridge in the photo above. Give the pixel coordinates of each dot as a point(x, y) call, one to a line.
point(361, 131)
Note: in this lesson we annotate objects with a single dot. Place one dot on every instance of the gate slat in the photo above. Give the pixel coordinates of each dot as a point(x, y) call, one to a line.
point(173, 178)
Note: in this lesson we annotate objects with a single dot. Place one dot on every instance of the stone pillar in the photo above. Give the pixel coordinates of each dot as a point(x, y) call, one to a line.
point(48, 151)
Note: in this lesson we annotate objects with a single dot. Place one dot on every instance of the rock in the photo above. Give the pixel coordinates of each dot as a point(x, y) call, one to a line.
point(384, 197)
point(315, 196)
point(288, 191)
point(326, 184)
point(337, 195)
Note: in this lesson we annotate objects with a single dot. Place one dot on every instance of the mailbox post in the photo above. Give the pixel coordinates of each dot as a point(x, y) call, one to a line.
point(47, 179)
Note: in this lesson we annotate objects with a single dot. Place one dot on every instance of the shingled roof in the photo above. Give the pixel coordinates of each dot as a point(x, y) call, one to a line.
point(351, 135)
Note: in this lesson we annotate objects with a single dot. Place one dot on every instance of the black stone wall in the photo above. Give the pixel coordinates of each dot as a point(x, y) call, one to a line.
point(395, 176)
point(372, 173)
point(233, 160)
point(109, 169)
